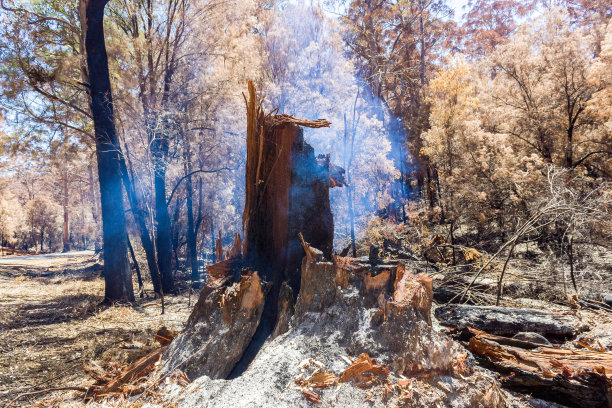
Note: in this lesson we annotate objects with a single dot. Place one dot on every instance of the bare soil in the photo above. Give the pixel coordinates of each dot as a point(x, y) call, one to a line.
point(51, 322)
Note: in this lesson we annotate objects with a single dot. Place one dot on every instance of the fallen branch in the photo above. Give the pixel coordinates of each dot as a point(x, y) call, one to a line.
point(131, 373)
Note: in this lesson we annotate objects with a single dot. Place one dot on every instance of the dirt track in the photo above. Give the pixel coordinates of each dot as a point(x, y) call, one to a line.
point(51, 321)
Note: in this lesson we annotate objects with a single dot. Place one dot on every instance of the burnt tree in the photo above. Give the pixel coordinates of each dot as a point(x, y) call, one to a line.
point(287, 202)
point(117, 277)
point(287, 193)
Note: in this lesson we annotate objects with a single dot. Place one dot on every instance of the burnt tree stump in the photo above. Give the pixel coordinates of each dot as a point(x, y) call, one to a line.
point(287, 194)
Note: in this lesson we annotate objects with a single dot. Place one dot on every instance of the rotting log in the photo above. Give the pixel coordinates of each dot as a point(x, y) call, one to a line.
point(577, 378)
point(510, 321)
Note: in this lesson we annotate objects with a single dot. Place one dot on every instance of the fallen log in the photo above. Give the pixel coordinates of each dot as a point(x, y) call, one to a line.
point(576, 378)
point(510, 321)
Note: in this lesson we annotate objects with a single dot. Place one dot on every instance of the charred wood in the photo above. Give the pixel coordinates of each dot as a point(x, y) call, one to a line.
point(510, 321)
point(576, 378)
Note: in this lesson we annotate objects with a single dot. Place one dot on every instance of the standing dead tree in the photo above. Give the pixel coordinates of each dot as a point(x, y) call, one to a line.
point(287, 192)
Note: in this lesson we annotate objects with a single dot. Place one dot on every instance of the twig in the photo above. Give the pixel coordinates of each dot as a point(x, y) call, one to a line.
point(501, 277)
point(27, 394)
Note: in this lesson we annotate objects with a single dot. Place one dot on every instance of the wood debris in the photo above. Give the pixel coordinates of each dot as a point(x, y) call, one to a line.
point(165, 336)
point(323, 379)
point(364, 372)
point(131, 373)
point(311, 396)
point(126, 380)
point(282, 119)
point(362, 364)
point(582, 376)
point(506, 321)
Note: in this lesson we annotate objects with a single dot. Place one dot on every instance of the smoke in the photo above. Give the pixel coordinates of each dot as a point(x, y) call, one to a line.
point(311, 77)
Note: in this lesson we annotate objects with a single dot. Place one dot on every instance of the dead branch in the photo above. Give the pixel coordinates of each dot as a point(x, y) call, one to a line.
point(178, 183)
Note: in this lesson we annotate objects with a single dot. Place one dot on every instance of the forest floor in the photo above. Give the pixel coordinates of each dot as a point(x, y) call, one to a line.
point(51, 322)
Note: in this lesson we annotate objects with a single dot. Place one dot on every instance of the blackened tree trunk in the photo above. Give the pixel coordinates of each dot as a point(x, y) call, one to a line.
point(192, 252)
point(136, 267)
point(117, 277)
point(349, 152)
point(139, 218)
point(287, 194)
point(66, 236)
point(175, 229)
point(163, 236)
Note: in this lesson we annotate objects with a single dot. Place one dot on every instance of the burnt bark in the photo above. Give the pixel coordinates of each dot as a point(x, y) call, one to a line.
point(163, 236)
point(118, 280)
point(136, 267)
point(287, 193)
point(509, 321)
point(175, 229)
point(574, 378)
point(139, 218)
point(191, 236)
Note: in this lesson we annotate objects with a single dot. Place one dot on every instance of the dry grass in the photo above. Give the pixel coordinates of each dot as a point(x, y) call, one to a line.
point(51, 321)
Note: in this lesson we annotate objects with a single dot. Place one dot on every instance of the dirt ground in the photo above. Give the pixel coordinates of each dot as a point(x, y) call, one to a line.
point(51, 322)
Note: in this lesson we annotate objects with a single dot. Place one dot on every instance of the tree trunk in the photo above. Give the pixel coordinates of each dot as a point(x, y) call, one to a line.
point(94, 206)
point(66, 236)
point(191, 233)
point(163, 236)
point(287, 197)
point(175, 232)
point(136, 267)
point(139, 218)
point(117, 277)
point(348, 156)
